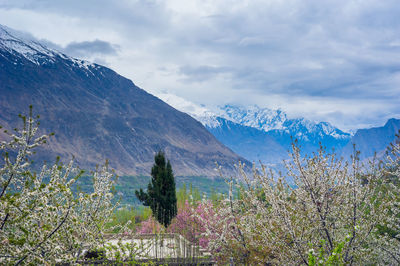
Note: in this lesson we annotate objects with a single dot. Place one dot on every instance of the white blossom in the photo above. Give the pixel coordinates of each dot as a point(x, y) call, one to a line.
point(41, 220)
point(331, 202)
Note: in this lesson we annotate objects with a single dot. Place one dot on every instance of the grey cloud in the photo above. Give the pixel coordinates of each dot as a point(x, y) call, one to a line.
point(202, 73)
point(252, 41)
point(85, 49)
point(89, 48)
point(358, 121)
point(139, 17)
point(51, 45)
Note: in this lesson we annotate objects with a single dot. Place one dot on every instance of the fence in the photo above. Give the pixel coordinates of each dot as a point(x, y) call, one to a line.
point(159, 249)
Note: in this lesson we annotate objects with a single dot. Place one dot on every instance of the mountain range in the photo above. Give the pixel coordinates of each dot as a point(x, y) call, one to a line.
point(266, 135)
point(97, 114)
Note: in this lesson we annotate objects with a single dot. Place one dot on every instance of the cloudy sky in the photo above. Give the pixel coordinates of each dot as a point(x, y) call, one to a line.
point(331, 60)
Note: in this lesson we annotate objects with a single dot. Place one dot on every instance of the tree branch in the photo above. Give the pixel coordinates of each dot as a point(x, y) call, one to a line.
point(45, 239)
point(6, 185)
point(4, 221)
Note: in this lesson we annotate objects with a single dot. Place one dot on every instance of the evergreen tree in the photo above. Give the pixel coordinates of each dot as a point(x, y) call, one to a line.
point(161, 195)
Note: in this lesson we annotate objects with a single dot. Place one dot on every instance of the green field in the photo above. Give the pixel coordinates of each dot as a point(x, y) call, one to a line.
point(126, 185)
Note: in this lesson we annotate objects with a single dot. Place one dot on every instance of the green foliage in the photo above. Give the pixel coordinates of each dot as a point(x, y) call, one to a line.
point(144, 213)
point(216, 197)
point(182, 196)
point(121, 217)
point(125, 187)
point(322, 257)
point(204, 185)
point(194, 193)
point(214, 189)
point(194, 196)
point(161, 194)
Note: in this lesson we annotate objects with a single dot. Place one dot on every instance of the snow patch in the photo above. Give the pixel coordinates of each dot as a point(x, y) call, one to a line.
point(253, 116)
point(26, 46)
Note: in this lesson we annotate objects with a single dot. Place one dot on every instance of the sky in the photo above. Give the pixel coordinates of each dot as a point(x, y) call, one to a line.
point(331, 60)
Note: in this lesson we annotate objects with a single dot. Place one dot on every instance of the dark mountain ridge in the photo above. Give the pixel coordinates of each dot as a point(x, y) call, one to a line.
point(373, 140)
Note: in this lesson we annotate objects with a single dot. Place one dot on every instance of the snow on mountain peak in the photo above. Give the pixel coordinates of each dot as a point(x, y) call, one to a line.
point(306, 129)
point(253, 116)
point(15, 42)
point(27, 46)
point(267, 119)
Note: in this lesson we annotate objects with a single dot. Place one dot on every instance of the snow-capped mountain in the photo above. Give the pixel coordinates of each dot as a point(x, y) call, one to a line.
point(268, 120)
point(276, 133)
point(261, 118)
point(24, 46)
point(302, 128)
point(19, 45)
point(261, 134)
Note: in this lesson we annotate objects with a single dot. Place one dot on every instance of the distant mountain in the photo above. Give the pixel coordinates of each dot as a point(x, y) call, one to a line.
point(371, 140)
point(262, 134)
point(269, 120)
point(266, 135)
point(273, 132)
point(98, 114)
point(261, 118)
point(251, 143)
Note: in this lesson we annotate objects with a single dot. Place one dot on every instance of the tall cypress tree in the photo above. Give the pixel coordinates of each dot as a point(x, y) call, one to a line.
point(161, 195)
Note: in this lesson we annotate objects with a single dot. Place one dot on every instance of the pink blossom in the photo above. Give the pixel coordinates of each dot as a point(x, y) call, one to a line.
point(190, 222)
point(150, 226)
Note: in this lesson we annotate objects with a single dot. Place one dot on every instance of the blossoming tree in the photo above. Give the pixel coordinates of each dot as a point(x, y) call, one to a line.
point(331, 207)
point(41, 219)
point(389, 229)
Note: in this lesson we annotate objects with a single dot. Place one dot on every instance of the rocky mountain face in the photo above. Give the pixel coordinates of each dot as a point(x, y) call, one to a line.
point(97, 114)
